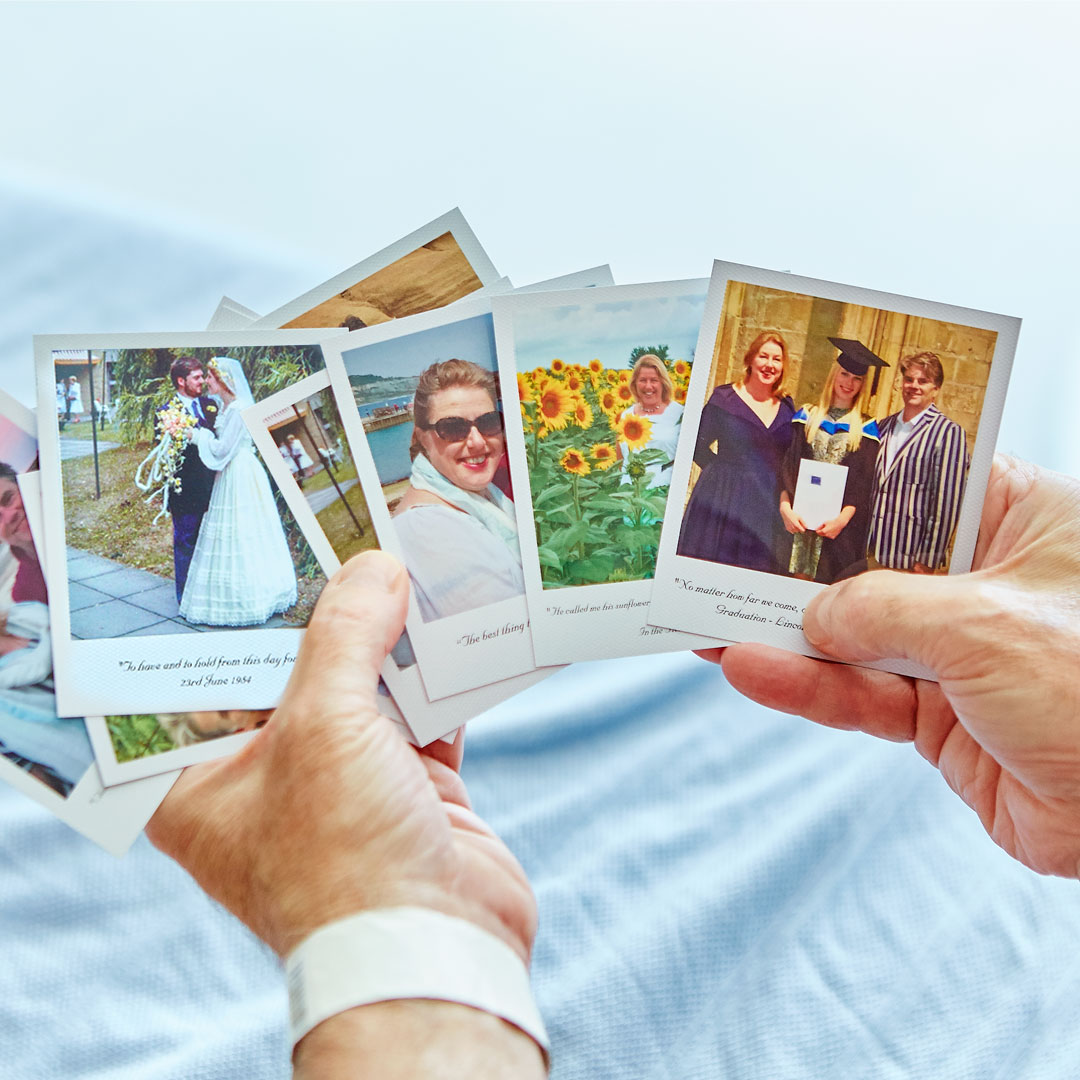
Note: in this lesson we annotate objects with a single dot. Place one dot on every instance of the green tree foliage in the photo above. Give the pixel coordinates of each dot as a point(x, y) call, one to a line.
point(137, 736)
point(660, 351)
point(143, 384)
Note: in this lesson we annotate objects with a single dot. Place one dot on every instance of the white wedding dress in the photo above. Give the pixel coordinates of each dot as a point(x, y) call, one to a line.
point(241, 570)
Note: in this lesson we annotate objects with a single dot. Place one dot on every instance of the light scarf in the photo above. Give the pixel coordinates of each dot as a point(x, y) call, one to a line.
point(494, 511)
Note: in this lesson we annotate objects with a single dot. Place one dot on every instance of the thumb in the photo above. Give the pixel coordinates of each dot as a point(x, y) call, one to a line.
point(359, 617)
point(884, 614)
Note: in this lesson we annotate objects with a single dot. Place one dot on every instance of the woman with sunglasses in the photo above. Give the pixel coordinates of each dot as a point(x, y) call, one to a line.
point(457, 529)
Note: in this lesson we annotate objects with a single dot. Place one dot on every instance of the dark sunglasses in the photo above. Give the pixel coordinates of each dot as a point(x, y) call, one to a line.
point(457, 428)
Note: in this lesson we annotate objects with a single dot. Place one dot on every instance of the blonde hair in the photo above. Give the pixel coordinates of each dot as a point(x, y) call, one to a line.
point(855, 417)
point(651, 360)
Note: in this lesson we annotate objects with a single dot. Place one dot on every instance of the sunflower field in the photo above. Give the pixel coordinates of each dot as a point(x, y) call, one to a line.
point(597, 518)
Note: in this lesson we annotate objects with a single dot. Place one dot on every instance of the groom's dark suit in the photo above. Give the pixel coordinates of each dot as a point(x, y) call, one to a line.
point(188, 505)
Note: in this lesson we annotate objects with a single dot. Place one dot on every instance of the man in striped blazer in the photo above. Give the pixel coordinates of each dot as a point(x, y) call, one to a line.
point(919, 475)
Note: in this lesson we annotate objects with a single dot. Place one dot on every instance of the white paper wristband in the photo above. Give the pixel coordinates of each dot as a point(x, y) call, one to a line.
point(389, 954)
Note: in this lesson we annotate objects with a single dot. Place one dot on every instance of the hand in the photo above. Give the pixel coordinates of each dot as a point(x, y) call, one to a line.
point(792, 522)
point(1003, 722)
point(831, 529)
point(328, 811)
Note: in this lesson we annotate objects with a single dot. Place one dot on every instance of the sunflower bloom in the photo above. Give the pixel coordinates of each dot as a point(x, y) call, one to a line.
point(612, 376)
point(583, 414)
point(682, 368)
point(609, 403)
point(555, 405)
point(623, 376)
point(557, 367)
point(680, 394)
point(595, 366)
point(573, 461)
point(634, 430)
point(603, 455)
point(539, 372)
point(524, 390)
point(574, 382)
point(624, 395)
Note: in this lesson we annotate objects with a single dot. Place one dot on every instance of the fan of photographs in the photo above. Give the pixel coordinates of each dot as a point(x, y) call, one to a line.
point(571, 470)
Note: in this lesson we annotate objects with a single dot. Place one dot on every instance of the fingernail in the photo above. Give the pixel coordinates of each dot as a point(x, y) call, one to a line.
point(817, 620)
point(373, 570)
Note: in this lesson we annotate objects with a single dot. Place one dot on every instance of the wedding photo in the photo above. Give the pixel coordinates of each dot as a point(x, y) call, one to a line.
point(172, 523)
point(835, 436)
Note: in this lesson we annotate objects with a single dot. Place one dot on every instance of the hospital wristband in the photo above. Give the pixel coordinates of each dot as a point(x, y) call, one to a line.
point(390, 954)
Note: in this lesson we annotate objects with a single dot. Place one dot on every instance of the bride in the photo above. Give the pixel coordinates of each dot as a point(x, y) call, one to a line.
point(241, 570)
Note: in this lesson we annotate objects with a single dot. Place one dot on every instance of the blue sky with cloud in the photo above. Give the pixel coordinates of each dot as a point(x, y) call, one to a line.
point(576, 333)
point(470, 339)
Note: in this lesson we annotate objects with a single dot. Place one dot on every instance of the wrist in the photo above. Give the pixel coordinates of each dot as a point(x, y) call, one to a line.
point(409, 954)
point(402, 1040)
point(293, 923)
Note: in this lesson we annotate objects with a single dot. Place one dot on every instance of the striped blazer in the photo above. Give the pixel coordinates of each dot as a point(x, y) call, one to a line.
point(917, 500)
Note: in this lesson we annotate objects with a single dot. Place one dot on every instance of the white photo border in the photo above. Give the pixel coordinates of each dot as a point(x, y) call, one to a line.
point(112, 819)
point(583, 622)
point(429, 720)
point(451, 222)
point(89, 680)
point(697, 594)
point(460, 652)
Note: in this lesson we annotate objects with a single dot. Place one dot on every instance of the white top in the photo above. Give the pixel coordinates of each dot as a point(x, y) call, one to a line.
point(300, 455)
point(288, 458)
point(901, 431)
point(665, 436)
point(455, 564)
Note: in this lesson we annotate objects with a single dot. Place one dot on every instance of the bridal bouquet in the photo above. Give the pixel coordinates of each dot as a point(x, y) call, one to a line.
point(164, 461)
point(173, 423)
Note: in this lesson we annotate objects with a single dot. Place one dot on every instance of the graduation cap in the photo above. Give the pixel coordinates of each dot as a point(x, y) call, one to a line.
point(858, 359)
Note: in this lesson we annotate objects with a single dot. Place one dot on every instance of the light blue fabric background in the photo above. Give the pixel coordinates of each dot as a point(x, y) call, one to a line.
point(724, 892)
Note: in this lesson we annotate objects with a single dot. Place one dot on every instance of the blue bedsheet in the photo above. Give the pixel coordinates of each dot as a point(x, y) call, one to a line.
point(723, 891)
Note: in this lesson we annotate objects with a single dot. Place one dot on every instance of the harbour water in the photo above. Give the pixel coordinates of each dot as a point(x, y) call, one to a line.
point(390, 445)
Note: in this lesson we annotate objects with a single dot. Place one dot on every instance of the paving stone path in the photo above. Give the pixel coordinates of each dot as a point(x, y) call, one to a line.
point(77, 448)
point(109, 600)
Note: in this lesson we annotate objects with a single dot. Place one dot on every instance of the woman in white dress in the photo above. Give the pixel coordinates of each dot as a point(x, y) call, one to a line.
point(652, 388)
point(73, 408)
point(457, 529)
point(300, 456)
point(241, 570)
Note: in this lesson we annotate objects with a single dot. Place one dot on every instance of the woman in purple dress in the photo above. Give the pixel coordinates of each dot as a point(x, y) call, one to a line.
point(733, 515)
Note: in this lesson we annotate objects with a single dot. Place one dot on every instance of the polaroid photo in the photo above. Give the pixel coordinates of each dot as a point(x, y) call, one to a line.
point(422, 411)
point(45, 757)
point(231, 315)
point(436, 265)
point(180, 580)
point(131, 747)
point(601, 377)
point(302, 424)
point(904, 395)
point(594, 277)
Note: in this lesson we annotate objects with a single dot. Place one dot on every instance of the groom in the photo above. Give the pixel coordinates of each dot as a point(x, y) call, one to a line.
point(188, 505)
